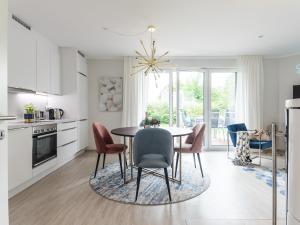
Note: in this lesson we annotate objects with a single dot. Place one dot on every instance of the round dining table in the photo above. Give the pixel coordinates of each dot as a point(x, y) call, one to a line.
point(130, 132)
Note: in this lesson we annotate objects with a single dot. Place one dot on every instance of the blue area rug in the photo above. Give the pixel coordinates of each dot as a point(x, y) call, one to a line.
point(265, 175)
point(153, 189)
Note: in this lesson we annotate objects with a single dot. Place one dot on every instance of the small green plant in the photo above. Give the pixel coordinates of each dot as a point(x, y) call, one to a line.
point(29, 108)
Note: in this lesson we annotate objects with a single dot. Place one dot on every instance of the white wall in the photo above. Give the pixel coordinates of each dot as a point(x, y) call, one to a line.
point(16, 102)
point(102, 68)
point(287, 77)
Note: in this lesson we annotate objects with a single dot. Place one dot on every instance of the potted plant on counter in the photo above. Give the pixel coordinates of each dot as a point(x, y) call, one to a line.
point(29, 113)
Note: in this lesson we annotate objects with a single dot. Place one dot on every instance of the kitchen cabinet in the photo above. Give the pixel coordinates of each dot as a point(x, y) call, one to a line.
point(81, 64)
point(82, 82)
point(21, 57)
point(43, 65)
point(33, 60)
point(66, 141)
point(83, 130)
point(55, 74)
point(19, 156)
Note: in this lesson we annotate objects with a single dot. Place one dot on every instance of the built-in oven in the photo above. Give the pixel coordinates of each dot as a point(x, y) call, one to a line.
point(44, 140)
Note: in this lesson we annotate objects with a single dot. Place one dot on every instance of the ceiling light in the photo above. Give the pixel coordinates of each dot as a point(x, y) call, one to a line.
point(151, 28)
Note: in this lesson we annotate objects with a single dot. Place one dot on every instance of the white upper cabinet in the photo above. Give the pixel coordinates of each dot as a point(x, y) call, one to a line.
point(43, 65)
point(55, 75)
point(82, 83)
point(81, 64)
point(33, 61)
point(21, 57)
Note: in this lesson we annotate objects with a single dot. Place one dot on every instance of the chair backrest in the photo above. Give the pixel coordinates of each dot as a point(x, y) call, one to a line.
point(198, 141)
point(233, 128)
point(153, 141)
point(190, 139)
point(102, 137)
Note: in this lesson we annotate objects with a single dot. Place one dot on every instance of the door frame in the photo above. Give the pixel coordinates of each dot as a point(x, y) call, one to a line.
point(209, 82)
point(3, 111)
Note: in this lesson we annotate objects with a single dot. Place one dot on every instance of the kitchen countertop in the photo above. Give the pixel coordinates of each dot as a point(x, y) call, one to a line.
point(20, 123)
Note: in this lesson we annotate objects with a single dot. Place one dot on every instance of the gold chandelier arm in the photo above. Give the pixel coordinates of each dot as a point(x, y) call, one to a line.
point(140, 55)
point(147, 71)
point(138, 71)
point(163, 55)
point(152, 49)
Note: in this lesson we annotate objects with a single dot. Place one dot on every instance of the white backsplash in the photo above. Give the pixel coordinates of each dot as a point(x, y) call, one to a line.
point(16, 102)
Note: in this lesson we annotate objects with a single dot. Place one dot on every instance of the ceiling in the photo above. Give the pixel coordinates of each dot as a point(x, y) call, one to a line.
point(184, 27)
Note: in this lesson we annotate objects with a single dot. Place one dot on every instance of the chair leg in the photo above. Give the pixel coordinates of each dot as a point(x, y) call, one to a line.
point(176, 165)
point(98, 158)
point(199, 160)
point(167, 182)
point(194, 160)
point(138, 182)
point(103, 160)
point(120, 160)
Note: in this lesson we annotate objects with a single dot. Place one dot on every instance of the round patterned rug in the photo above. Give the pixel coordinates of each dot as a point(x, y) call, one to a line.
point(153, 189)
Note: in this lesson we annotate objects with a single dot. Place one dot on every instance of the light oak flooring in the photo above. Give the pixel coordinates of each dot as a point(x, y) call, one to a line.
point(65, 198)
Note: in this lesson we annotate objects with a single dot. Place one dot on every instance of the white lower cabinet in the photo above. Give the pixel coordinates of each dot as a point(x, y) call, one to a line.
point(19, 156)
point(66, 141)
point(83, 130)
point(66, 152)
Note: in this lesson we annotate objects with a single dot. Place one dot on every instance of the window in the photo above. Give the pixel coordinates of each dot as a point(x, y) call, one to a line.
point(184, 98)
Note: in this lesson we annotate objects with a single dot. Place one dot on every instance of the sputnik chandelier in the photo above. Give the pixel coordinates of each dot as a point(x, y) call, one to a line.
point(149, 62)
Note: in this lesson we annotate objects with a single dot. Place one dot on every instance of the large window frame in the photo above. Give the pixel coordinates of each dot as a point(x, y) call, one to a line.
point(207, 80)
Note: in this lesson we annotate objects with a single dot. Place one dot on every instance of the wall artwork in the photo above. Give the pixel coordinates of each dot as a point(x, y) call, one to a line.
point(110, 94)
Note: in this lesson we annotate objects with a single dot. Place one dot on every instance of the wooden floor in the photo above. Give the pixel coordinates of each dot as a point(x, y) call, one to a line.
point(65, 198)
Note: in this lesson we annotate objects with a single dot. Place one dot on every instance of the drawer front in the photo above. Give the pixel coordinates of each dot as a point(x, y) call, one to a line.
point(66, 136)
point(66, 126)
point(66, 153)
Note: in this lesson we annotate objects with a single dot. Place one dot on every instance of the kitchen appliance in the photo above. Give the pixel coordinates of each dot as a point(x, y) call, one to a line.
point(296, 91)
point(293, 158)
point(44, 144)
point(55, 113)
point(58, 113)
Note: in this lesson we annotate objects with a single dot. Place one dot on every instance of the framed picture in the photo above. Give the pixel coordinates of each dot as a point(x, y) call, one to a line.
point(110, 94)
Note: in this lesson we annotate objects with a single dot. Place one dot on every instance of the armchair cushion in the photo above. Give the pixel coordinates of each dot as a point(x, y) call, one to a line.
point(264, 144)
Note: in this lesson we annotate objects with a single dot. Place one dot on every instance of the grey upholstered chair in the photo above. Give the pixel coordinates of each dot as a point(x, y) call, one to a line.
point(153, 148)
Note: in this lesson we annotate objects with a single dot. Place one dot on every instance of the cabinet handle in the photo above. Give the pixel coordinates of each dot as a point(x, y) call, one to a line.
point(83, 120)
point(67, 144)
point(8, 117)
point(18, 128)
point(69, 129)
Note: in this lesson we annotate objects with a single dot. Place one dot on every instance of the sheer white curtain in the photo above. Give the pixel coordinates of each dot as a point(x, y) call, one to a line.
point(249, 101)
point(134, 94)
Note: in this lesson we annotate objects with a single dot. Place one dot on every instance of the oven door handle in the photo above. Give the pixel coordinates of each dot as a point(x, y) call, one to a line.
point(47, 135)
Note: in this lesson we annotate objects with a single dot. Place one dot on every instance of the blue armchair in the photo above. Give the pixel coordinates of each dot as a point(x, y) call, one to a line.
point(232, 130)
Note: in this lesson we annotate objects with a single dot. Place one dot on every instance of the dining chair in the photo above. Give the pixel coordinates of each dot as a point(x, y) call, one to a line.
point(190, 138)
point(105, 145)
point(194, 148)
point(153, 148)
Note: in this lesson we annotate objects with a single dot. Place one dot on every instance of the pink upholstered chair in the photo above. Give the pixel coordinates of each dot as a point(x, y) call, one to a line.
point(105, 145)
point(190, 139)
point(194, 148)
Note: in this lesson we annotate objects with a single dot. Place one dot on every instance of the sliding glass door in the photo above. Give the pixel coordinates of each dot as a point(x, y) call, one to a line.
point(221, 105)
point(184, 98)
